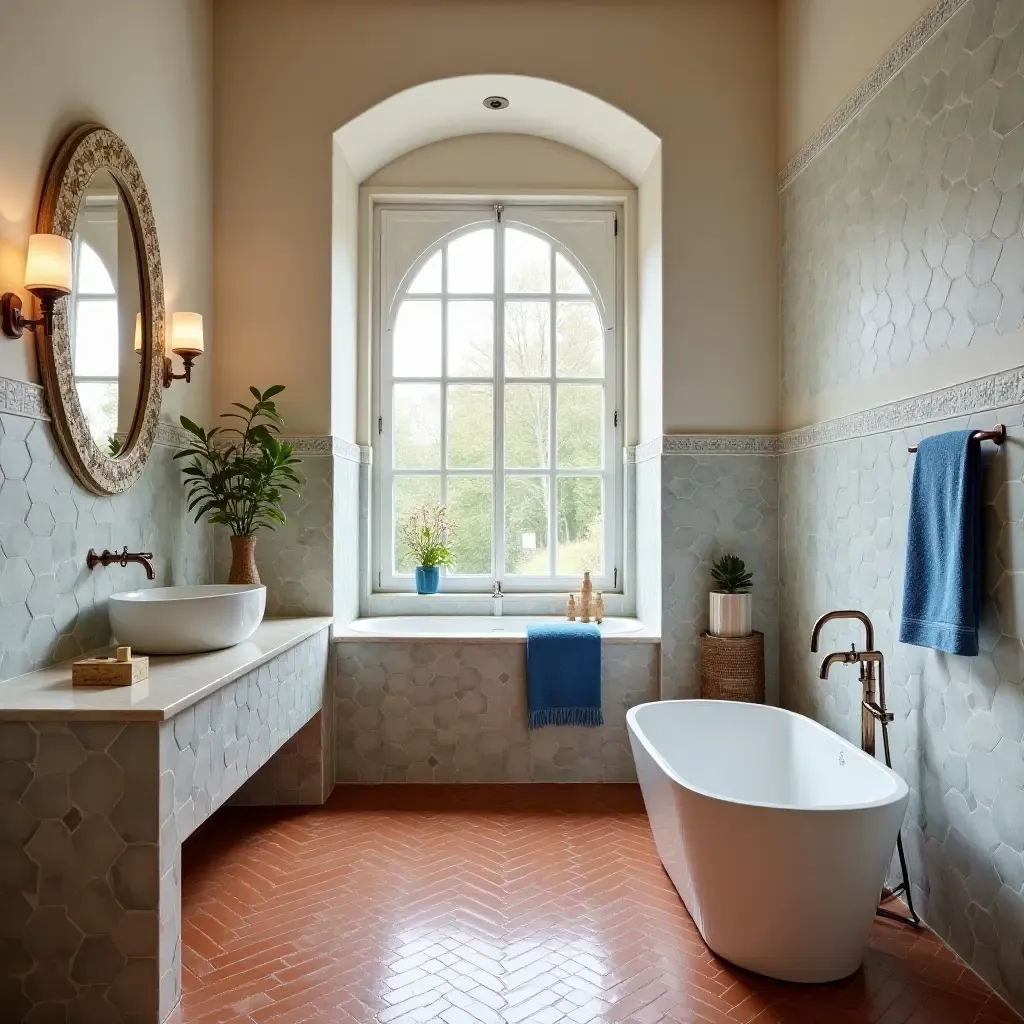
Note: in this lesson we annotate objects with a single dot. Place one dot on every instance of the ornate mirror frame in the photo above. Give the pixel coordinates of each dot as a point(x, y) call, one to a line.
point(85, 151)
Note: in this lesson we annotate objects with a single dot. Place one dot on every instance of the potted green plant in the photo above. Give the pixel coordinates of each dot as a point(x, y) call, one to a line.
point(731, 602)
point(239, 475)
point(427, 535)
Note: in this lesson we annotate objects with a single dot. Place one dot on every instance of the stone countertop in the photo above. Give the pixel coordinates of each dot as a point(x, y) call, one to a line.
point(174, 683)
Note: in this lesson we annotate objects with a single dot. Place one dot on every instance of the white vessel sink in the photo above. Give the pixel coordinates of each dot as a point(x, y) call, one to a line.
point(187, 620)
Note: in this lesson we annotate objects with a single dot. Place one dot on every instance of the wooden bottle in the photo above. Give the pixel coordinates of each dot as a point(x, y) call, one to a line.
point(570, 610)
point(599, 608)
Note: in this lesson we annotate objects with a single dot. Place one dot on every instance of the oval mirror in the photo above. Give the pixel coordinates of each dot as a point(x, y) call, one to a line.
point(102, 366)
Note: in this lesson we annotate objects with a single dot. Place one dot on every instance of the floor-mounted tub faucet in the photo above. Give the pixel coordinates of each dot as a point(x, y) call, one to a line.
point(867, 669)
point(872, 710)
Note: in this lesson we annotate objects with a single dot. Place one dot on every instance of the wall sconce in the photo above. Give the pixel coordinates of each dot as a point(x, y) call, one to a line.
point(187, 342)
point(47, 277)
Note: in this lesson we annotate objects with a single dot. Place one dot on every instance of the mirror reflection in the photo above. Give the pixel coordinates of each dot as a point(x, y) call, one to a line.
point(104, 314)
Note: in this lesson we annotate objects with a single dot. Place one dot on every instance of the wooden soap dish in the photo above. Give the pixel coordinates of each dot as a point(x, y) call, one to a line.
point(124, 669)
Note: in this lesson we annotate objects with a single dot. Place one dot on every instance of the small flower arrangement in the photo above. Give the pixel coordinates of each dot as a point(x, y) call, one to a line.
point(427, 535)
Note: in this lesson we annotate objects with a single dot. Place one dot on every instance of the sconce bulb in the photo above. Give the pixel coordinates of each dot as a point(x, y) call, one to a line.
point(138, 333)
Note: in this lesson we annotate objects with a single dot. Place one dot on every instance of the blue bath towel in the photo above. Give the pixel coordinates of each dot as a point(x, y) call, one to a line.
point(563, 674)
point(942, 588)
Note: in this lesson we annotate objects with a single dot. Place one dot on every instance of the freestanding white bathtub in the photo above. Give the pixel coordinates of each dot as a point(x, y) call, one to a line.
point(776, 832)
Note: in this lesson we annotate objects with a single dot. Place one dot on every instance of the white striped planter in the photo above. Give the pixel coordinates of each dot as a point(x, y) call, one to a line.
point(731, 614)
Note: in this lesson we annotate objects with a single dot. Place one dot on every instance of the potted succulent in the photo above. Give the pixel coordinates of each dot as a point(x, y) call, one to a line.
point(731, 601)
point(239, 475)
point(427, 536)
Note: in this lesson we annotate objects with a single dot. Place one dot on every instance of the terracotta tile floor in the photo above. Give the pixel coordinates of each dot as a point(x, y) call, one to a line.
point(473, 905)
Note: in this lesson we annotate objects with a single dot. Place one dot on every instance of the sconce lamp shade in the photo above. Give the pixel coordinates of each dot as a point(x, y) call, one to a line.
point(187, 333)
point(48, 267)
point(138, 332)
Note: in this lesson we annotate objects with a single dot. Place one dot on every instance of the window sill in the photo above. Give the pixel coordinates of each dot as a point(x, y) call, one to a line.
point(380, 603)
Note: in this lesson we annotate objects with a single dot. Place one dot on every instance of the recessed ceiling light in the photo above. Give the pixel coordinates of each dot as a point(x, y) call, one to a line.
point(496, 102)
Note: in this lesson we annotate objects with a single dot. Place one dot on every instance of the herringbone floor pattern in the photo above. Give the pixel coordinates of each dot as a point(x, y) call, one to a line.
point(495, 905)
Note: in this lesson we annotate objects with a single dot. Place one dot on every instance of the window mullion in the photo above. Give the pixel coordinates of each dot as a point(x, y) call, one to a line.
point(552, 422)
point(444, 375)
point(498, 458)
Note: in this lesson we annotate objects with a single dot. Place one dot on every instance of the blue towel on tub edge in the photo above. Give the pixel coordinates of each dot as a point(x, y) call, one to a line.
point(942, 586)
point(563, 674)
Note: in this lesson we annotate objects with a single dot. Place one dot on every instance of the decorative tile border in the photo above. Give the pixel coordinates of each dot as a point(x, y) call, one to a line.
point(992, 392)
point(23, 398)
point(719, 444)
point(890, 65)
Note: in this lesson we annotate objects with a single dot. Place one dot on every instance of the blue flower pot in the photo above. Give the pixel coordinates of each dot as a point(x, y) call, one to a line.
point(428, 579)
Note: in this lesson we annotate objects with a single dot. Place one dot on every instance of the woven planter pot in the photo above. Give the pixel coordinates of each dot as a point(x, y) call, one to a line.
point(732, 668)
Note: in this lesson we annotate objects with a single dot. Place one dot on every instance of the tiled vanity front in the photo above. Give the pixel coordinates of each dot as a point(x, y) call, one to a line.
point(98, 790)
point(454, 710)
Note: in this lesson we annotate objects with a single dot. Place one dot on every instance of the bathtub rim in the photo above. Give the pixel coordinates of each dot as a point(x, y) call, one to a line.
point(901, 791)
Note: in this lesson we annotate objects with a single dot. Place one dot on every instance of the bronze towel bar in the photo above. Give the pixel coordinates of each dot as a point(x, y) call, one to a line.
point(997, 436)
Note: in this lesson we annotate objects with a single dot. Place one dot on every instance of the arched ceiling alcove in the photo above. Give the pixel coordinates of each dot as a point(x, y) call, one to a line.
point(449, 107)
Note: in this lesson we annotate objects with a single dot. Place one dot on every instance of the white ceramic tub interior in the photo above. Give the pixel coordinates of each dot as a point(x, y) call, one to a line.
point(473, 626)
point(776, 832)
point(187, 620)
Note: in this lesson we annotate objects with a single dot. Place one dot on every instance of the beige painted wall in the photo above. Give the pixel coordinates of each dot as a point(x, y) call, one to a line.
point(499, 161)
point(826, 48)
point(701, 76)
point(141, 68)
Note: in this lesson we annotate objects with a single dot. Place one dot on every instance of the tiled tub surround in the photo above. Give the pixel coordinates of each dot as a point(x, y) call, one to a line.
point(902, 240)
point(959, 722)
point(451, 710)
point(97, 797)
point(713, 505)
point(51, 606)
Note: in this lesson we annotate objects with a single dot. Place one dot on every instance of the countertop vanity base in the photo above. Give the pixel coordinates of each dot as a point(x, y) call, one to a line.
point(93, 813)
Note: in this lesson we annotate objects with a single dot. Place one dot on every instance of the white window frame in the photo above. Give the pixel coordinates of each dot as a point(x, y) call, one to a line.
point(472, 216)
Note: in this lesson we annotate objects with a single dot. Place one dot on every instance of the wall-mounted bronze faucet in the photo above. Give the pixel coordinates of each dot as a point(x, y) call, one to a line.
point(121, 558)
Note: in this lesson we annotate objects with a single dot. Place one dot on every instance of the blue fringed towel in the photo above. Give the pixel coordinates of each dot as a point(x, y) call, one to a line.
point(563, 674)
point(942, 587)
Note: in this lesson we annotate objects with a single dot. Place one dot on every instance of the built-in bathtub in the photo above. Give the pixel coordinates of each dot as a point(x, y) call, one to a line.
point(442, 698)
point(776, 832)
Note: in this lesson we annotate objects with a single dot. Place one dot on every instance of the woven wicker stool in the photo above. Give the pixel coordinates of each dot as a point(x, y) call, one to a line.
point(732, 668)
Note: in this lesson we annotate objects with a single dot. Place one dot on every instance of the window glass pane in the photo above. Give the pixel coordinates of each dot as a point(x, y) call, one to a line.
point(470, 426)
point(579, 521)
point(470, 503)
point(579, 417)
point(527, 262)
point(95, 338)
point(410, 492)
point(428, 278)
point(417, 339)
point(99, 403)
point(470, 339)
point(579, 340)
point(91, 274)
point(527, 339)
point(471, 263)
point(417, 413)
point(527, 425)
point(526, 526)
point(567, 278)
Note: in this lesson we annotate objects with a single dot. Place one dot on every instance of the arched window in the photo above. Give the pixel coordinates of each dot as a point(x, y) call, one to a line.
point(498, 393)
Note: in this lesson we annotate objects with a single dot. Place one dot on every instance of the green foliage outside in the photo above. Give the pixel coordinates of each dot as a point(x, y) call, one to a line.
point(579, 415)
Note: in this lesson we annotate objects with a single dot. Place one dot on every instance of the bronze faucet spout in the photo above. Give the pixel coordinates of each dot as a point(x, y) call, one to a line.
point(121, 558)
point(844, 613)
point(836, 658)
